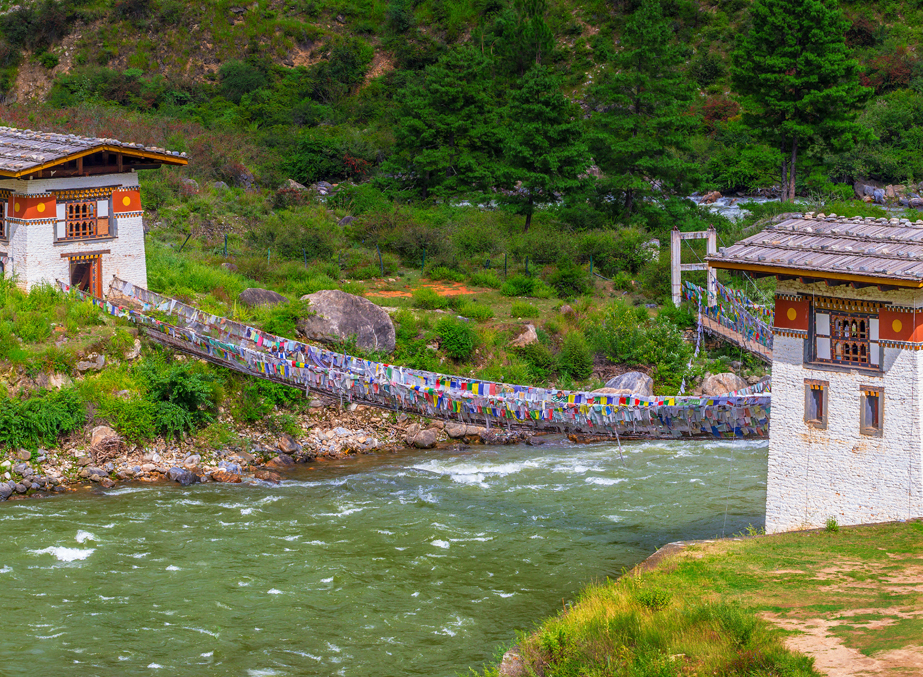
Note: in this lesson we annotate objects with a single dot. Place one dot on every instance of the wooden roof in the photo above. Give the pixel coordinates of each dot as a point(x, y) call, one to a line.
point(23, 151)
point(860, 250)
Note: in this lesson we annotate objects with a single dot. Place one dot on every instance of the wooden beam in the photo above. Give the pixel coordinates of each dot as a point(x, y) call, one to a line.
point(902, 283)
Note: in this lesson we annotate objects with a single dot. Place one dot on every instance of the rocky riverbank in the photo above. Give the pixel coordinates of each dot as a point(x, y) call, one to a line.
point(99, 456)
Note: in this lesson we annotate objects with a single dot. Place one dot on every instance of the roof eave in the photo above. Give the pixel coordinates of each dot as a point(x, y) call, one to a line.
point(801, 272)
point(159, 157)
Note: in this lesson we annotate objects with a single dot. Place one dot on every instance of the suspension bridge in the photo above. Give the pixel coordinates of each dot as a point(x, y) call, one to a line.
point(253, 352)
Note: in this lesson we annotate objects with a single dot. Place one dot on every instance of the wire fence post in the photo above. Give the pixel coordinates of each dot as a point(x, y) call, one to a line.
point(423, 265)
point(527, 266)
point(185, 241)
point(591, 265)
point(225, 245)
point(268, 254)
point(380, 262)
point(304, 254)
point(504, 266)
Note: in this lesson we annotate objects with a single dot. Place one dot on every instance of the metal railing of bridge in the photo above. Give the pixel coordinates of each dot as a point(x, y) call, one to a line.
point(751, 322)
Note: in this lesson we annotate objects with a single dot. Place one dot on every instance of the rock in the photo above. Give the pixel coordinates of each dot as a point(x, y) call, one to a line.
point(134, 352)
point(254, 296)
point(5, 491)
point(338, 316)
point(289, 445)
point(630, 383)
point(220, 185)
point(192, 461)
point(84, 460)
point(230, 267)
point(456, 430)
point(425, 439)
point(512, 665)
point(92, 364)
point(346, 220)
point(245, 457)
point(184, 477)
point(241, 176)
point(23, 469)
point(226, 477)
point(411, 432)
point(281, 462)
point(535, 441)
point(20, 488)
point(438, 424)
point(291, 184)
point(190, 184)
point(267, 476)
point(567, 310)
point(105, 443)
point(710, 198)
point(721, 384)
point(106, 483)
point(5, 465)
point(526, 338)
point(24, 455)
point(487, 436)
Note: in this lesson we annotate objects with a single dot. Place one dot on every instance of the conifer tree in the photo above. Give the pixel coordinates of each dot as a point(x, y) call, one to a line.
point(543, 143)
point(641, 123)
point(799, 82)
point(446, 138)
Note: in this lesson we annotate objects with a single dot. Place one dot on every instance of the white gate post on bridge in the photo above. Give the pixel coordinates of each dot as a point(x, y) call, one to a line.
point(677, 266)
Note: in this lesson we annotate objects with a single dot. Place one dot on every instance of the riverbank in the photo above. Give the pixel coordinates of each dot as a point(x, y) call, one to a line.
point(254, 454)
point(838, 602)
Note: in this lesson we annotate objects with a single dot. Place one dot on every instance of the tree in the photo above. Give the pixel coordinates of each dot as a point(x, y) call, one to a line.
point(799, 84)
point(543, 143)
point(521, 36)
point(446, 136)
point(641, 124)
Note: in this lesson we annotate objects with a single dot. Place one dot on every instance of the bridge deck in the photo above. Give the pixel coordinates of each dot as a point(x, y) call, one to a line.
point(725, 333)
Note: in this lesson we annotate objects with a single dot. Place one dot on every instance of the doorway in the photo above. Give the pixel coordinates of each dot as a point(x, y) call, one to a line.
point(86, 275)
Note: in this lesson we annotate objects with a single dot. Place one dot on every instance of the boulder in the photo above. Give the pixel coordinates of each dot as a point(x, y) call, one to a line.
point(291, 184)
point(630, 383)
point(254, 296)
point(225, 477)
point(5, 491)
point(94, 363)
point(425, 439)
point(241, 176)
point(721, 384)
point(281, 462)
point(289, 445)
point(267, 476)
point(105, 443)
point(338, 315)
point(230, 267)
point(456, 430)
point(567, 310)
point(710, 198)
point(24, 455)
point(526, 338)
point(220, 185)
point(346, 220)
point(184, 477)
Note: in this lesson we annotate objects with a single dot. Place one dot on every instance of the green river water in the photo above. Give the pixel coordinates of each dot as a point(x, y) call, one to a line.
point(418, 563)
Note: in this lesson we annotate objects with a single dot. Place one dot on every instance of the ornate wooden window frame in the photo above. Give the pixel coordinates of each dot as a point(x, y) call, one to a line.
point(815, 395)
point(844, 334)
point(871, 410)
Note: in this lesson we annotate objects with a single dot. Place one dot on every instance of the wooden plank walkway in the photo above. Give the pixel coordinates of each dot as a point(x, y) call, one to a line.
point(717, 329)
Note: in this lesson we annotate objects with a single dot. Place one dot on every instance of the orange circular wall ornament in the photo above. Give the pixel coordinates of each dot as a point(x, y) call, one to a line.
point(18, 205)
point(896, 326)
point(792, 314)
point(40, 207)
point(126, 200)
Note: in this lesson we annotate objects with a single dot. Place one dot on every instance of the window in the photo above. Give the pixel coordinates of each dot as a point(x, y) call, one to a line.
point(80, 220)
point(815, 403)
point(3, 232)
point(846, 338)
point(871, 410)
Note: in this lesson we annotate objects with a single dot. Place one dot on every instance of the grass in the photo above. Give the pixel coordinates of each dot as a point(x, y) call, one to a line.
point(704, 611)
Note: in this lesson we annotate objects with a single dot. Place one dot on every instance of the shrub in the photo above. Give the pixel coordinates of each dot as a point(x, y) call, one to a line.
point(444, 273)
point(475, 311)
point(569, 280)
point(182, 393)
point(41, 419)
point(575, 358)
point(456, 338)
point(518, 285)
point(539, 360)
point(523, 309)
point(427, 299)
point(486, 278)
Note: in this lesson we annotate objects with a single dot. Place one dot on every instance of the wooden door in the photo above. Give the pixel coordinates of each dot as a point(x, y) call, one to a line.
point(96, 277)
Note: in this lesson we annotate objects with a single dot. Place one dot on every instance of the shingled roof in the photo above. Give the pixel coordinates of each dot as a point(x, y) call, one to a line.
point(23, 151)
point(831, 247)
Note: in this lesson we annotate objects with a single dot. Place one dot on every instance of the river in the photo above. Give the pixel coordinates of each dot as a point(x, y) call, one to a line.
point(415, 563)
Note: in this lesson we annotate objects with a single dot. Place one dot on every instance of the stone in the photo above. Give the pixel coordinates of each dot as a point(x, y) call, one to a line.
point(512, 665)
point(630, 383)
point(254, 296)
point(5, 491)
point(190, 184)
point(226, 477)
point(220, 185)
point(94, 364)
point(437, 424)
point(567, 310)
point(721, 384)
point(245, 456)
point(456, 430)
point(21, 488)
point(106, 483)
point(84, 460)
point(184, 477)
point(289, 445)
point(526, 338)
point(5, 465)
point(230, 267)
point(24, 455)
point(23, 469)
point(267, 476)
point(241, 176)
point(105, 443)
point(281, 462)
point(337, 316)
point(710, 198)
point(346, 220)
point(291, 184)
point(192, 461)
point(425, 439)
point(134, 352)
point(535, 441)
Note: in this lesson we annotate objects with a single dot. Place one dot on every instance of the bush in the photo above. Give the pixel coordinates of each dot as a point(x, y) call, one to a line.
point(569, 280)
point(523, 309)
point(486, 278)
point(518, 285)
point(475, 311)
point(41, 419)
point(456, 338)
point(539, 359)
point(575, 358)
point(427, 299)
point(183, 394)
point(444, 273)
point(294, 235)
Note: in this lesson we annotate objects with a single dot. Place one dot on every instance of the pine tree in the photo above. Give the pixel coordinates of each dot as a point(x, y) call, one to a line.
point(799, 82)
point(543, 143)
point(446, 138)
point(641, 125)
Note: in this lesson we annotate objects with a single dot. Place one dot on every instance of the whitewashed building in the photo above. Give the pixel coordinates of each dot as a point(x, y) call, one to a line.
point(846, 429)
point(70, 208)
